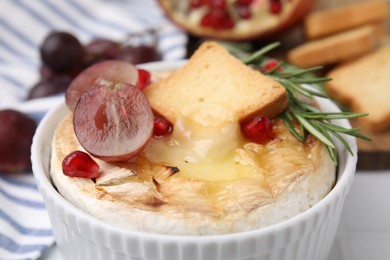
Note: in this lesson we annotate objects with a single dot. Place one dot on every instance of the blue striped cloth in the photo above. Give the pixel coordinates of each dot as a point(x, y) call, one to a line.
point(24, 225)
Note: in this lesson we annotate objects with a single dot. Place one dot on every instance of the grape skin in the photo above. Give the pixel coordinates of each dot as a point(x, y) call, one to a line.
point(16, 134)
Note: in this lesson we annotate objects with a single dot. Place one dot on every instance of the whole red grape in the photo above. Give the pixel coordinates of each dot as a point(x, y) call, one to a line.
point(50, 86)
point(62, 51)
point(138, 54)
point(16, 134)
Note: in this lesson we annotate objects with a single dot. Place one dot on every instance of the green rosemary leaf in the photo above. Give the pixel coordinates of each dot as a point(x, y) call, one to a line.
point(309, 80)
point(343, 141)
point(260, 52)
point(240, 50)
point(294, 88)
point(300, 107)
point(315, 131)
point(295, 72)
point(287, 120)
point(317, 93)
point(360, 136)
point(331, 150)
point(332, 154)
point(307, 108)
point(330, 115)
point(336, 128)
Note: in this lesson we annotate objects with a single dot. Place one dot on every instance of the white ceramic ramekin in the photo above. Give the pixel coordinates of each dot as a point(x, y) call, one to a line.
point(307, 236)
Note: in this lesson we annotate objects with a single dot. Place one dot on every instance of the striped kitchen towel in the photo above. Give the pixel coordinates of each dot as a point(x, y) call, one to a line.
point(25, 230)
point(24, 224)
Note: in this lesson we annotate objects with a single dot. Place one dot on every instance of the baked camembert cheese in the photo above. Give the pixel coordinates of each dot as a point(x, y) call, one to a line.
point(205, 177)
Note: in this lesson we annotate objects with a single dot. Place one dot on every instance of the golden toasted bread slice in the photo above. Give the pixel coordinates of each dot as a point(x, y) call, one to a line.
point(333, 20)
point(338, 47)
point(213, 76)
point(364, 85)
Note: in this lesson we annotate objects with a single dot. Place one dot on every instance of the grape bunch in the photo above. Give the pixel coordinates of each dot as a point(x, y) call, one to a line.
point(63, 57)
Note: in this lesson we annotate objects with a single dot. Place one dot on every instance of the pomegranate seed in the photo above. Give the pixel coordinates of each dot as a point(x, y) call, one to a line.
point(217, 19)
point(244, 12)
point(228, 23)
point(206, 20)
point(196, 3)
point(218, 4)
point(210, 19)
point(144, 79)
point(244, 2)
point(161, 127)
point(275, 6)
point(207, 2)
point(258, 130)
point(80, 164)
point(270, 65)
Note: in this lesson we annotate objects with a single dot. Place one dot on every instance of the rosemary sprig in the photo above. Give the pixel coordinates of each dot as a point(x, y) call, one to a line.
point(301, 116)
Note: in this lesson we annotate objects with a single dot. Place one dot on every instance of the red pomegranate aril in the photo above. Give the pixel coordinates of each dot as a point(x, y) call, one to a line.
point(206, 20)
point(212, 19)
point(244, 2)
point(218, 4)
point(217, 19)
point(196, 3)
point(275, 7)
point(228, 23)
point(144, 79)
point(80, 164)
point(244, 12)
point(258, 130)
point(269, 65)
point(207, 2)
point(162, 127)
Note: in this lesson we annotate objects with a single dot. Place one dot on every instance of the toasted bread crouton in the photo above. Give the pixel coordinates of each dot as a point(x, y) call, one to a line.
point(213, 76)
point(364, 85)
point(337, 48)
point(337, 19)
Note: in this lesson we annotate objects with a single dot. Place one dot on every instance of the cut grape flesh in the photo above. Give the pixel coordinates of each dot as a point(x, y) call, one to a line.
point(113, 122)
point(104, 73)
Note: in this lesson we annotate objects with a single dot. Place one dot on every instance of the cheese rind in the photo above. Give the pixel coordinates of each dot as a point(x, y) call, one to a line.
point(279, 181)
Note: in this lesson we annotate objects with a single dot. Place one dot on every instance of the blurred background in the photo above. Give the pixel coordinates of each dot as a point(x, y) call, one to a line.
point(36, 35)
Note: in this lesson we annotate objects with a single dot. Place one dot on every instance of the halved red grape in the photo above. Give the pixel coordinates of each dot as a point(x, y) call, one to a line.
point(138, 54)
point(113, 122)
point(80, 164)
point(104, 73)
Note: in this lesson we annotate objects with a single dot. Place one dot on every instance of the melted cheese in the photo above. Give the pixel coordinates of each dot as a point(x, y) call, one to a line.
point(203, 145)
